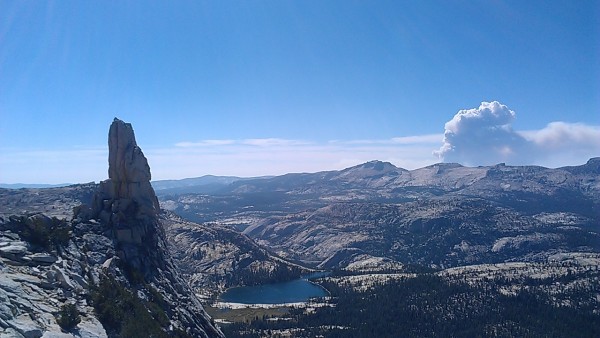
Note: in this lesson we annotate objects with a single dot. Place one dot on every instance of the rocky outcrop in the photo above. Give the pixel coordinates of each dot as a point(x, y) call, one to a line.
point(127, 207)
point(38, 277)
point(126, 203)
point(111, 261)
point(52, 202)
point(212, 257)
point(128, 172)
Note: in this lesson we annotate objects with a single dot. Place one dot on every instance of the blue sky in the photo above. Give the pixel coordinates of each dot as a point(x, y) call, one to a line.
point(267, 87)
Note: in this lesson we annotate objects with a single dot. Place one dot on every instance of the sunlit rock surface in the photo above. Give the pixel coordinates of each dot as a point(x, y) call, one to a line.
point(48, 261)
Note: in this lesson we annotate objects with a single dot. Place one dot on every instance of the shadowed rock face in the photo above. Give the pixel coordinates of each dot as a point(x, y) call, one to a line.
point(127, 207)
point(126, 162)
point(126, 203)
point(46, 262)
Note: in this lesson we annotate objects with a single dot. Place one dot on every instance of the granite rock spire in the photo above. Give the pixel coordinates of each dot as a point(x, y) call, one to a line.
point(127, 195)
point(126, 204)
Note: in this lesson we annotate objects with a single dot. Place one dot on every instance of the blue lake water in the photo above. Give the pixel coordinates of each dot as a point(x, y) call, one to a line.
point(299, 290)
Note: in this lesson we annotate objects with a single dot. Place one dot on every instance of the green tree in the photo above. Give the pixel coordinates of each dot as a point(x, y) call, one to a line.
point(68, 317)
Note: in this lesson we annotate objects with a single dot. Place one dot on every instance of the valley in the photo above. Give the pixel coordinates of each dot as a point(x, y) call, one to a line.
point(330, 169)
point(501, 232)
point(441, 216)
point(498, 250)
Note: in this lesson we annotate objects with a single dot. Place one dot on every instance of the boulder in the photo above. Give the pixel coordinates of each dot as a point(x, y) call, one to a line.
point(63, 278)
point(10, 333)
point(43, 258)
point(38, 220)
point(14, 249)
point(26, 326)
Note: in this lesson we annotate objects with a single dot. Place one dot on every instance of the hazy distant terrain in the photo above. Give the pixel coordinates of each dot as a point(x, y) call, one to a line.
point(454, 250)
point(471, 244)
point(442, 215)
point(31, 186)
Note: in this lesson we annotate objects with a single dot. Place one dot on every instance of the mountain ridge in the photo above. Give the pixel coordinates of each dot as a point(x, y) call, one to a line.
point(384, 211)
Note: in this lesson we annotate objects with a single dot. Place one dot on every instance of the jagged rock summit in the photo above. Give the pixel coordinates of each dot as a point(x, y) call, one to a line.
point(127, 208)
point(127, 192)
point(126, 161)
point(104, 272)
point(128, 169)
point(126, 203)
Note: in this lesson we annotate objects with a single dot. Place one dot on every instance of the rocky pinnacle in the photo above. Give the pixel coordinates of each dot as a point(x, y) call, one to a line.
point(126, 203)
point(128, 168)
point(126, 162)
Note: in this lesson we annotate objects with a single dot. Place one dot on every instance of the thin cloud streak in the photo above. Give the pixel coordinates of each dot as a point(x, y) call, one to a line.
point(258, 142)
point(562, 134)
point(431, 139)
point(404, 140)
point(241, 160)
point(270, 142)
point(558, 144)
point(204, 143)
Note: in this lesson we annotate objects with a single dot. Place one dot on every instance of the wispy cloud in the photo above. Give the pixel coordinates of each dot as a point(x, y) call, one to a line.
point(477, 136)
point(274, 157)
point(557, 135)
point(258, 142)
point(205, 143)
point(420, 139)
point(273, 142)
point(404, 140)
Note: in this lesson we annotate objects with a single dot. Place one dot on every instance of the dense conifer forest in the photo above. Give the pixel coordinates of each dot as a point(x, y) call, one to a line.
point(430, 306)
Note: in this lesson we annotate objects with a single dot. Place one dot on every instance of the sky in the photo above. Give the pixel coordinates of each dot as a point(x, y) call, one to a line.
point(251, 88)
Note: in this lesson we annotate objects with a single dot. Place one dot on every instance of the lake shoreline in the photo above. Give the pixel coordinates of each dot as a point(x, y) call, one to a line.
point(233, 306)
point(293, 292)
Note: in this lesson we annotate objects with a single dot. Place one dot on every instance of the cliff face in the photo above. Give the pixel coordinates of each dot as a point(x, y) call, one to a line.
point(110, 262)
point(128, 173)
point(126, 203)
point(128, 208)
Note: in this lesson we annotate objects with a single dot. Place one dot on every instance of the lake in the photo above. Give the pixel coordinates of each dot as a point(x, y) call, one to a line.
point(298, 290)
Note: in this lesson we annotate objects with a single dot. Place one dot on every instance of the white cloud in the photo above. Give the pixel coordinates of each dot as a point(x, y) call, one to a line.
point(204, 143)
point(404, 140)
point(254, 157)
point(484, 136)
point(258, 142)
point(420, 139)
point(479, 136)
point(271, 142)
point(559, 135)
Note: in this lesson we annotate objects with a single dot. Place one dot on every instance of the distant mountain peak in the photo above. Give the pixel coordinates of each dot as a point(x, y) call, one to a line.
point(593, 162)
point(445, 165)
point(591, 167)
point(378, 165)
point(375, 165)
